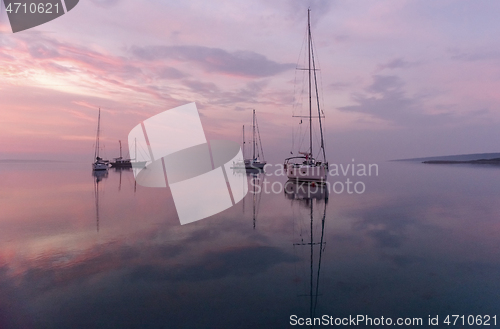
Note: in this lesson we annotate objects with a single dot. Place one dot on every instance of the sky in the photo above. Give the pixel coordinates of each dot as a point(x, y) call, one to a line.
point(397, 79)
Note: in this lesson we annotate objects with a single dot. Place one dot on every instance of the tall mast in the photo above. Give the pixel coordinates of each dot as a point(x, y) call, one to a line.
point(120, 148)
point(253, 142)
point(97, 138)
point(309, 70)
point(243, 142)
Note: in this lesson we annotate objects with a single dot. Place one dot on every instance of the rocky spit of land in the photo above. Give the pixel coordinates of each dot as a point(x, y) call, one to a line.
point(495, 161)
point(480, 158)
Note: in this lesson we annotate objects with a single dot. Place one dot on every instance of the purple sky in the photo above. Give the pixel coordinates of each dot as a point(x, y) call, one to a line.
point(399, 79)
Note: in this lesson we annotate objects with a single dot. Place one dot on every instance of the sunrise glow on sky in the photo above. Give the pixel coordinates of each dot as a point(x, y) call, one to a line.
point(399, 79)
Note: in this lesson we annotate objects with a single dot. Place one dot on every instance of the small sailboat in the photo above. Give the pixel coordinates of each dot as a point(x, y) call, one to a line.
point(305, 167)
point(99, 163)
point(257, 160)
point(120, 162)
point(136, 164)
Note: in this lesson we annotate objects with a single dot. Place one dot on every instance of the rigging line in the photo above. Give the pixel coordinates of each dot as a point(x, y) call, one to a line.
point(303, 94)
point(303, 83)
point(321, 83)
point(260, 142)
point(321, 88)
point(295, 74)
point(303, 137)
point(143, 151)
point(317, 142)
point(319, 111)
point(298, 96)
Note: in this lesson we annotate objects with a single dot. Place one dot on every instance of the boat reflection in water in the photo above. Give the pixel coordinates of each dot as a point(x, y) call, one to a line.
point(255, 178)
point(298, 190)
point(309, 202)
point(119, 170)
point(98, 175)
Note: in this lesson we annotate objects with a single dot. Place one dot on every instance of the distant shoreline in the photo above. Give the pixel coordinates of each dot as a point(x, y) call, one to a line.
point(476, 158)
point(495, 161)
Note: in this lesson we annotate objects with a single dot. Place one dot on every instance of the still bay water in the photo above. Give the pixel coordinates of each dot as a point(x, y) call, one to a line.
point(79, 251)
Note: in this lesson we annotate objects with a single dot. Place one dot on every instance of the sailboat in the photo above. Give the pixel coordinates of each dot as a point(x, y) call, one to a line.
point(120, 162)
point(99, 163)
point(305, 167)
point(136, 164)
point(255, 162)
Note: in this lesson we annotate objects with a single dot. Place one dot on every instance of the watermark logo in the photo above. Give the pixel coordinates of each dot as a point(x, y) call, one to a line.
point(354, 174)
point(171, 148)
point(25, 14)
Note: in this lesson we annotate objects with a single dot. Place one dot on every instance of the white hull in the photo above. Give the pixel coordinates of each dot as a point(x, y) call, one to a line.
point(307, 173)
point(248, 164)
point(99, 166)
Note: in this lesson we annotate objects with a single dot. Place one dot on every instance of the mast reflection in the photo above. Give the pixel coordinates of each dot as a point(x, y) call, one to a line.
point(98, 177)
point(256, 178)
point(313, 197)
point(119, 170)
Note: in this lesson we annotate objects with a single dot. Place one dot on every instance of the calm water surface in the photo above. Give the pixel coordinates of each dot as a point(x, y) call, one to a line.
point(422, 240)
